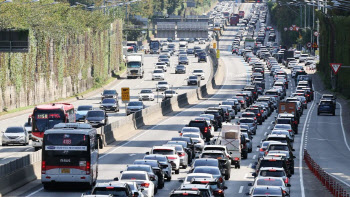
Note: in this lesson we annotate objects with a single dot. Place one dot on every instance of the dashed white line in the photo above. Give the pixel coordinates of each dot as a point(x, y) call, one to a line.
point(246, 176)
point(265, 133)
point(254, 156)
point(257, 149)
point(269, 127)
point(250, 165)
point(240, 189)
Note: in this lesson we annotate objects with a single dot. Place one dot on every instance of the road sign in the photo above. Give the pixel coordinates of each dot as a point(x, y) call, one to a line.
point(285, 29)
point(316, 33)
point(218, 53)
point(309, 44)
point(291, 28)
point(335, 67)
point(315, 45)
point(297, 28)
point(214, 45)
point(125, 95)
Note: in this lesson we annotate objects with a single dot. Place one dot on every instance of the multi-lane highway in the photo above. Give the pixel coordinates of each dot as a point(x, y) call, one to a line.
point(176, 81)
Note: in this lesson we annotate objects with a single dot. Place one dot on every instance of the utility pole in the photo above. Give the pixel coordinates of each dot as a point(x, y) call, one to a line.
point(305, 17)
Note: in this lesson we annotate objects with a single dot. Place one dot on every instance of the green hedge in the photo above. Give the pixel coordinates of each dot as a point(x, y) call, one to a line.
point(83, 45)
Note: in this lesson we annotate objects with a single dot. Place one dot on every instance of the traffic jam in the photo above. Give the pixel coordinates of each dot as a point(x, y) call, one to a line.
point(210, 148)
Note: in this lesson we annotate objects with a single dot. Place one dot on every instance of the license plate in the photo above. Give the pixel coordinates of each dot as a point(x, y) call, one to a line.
point(65, 171)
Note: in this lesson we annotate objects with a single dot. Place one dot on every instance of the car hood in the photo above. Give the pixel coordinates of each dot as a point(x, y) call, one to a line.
point(146, 94)
point(162, 85)
point(14, 134)
point(95, 118)
point(108, 104)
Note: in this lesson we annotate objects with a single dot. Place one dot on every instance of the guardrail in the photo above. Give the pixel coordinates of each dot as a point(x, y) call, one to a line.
point(19, 163)
point(334, 185)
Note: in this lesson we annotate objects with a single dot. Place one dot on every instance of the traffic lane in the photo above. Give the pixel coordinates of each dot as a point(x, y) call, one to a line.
point(325, 143)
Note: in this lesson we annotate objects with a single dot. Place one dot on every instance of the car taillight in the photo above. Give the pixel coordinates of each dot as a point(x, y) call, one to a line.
point(43, 167)
point(205, 129)
point(220, 191)
point(171, 157)
point(307, 95)
point(180, 134)
point(262, 111)
point(145, 185)
point(241, 101)
point(254, 92)
point(261, 150)
point(287, 180)
point(259, 114)
point(236, 158)
point(226, 114)
point(181, 154)
point(289, 130)
point(221, 180)
point(87, 168)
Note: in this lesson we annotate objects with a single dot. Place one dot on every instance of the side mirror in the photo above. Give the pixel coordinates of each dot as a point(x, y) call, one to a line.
point(147, 153)
point(179, 131)
point(250, 184)
point(288, 185)
point(254, 174)
point(121, 171)
point(186, 125)
point(181, 181)
point(116, 179)
point(294, 157)
point(258, 146)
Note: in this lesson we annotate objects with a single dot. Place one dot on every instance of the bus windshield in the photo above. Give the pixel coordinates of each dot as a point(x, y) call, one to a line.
point(47, 119)
point(154, 45)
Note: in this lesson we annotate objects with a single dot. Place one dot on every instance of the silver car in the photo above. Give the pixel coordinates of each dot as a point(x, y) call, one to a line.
point(250, 122)
point(15, 135)
point(134, 106)
point(182, 155)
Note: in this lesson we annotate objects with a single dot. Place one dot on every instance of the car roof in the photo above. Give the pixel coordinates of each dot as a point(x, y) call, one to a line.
point(111, 183)
point(190, 186)
point(163, 147)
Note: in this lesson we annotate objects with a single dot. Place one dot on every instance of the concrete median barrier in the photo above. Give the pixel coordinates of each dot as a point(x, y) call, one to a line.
point(28, 168)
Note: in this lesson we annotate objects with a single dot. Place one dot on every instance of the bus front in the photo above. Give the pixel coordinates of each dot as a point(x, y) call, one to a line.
point(44, 119)
point(66, 158)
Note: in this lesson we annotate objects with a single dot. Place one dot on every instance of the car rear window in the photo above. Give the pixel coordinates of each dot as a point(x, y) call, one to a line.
point(246, 121)
point(199, 162)
point(163, 151)
point(270, 182)
point(272, 173)
point(278, 147)
point(197, 124)
point(213, 155)
point(133, 177)
point(114, 191)
point(283, 121)
point(268, 163)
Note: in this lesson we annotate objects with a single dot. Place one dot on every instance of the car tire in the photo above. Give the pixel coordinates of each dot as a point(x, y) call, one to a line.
point(227, 177)
point(4, 144)
point(177, 171)
point(245, 155)
point(318, 113)
point(333, 114)
point(250, 150)
point(169, 178)
point(184, 166)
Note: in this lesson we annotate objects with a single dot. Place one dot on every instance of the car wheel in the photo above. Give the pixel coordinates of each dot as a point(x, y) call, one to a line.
point(4, 144)
point(177, 171)
point(169, 178)
point(184, 166)
point(227, 177)
point(250, 150)
point(333, 113)
point(318, 113)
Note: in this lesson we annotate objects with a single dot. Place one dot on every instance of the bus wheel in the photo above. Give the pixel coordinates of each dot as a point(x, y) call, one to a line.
point(36, 148)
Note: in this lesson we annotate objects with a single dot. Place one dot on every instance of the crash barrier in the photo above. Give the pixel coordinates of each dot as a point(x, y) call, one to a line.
point(19, 172)
point(334, 185)
point(28, 168)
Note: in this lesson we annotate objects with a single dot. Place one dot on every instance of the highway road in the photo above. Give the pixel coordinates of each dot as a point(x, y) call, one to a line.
point(177, 82)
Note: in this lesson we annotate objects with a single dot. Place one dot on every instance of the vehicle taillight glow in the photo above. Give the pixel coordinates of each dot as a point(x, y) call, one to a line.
point(261, 150)
point(254, 118)
point(259, 114)
point(220, 191)
point(289, 130)
point(43, 167)
point(236, 159)
point(181, 154)
point(221, 180)
point(171, 157)
point(295, 122)
point(226, 114)
point(262, 111)
point(205, 129)
point(287, 180)
point(88, 168)
point(145, 185)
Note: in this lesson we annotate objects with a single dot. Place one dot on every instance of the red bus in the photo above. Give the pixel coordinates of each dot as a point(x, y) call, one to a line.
point(44, 117)
point(234, 20)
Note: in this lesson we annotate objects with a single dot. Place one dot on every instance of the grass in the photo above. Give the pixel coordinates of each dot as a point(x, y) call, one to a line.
point(108, 81)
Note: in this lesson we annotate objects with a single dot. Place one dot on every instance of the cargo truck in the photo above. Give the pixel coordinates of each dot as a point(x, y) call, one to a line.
point(230, 137)
point(154, 47)
point(134, 64)
point(288, 107)
point(249, 43)
point(234, 20)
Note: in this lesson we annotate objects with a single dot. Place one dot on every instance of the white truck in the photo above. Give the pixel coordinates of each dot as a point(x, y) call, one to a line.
point(135, 65)
point(230, 137)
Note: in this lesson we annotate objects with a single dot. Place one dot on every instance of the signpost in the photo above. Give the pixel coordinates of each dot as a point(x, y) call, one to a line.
point(218, 53)
point(315, 45)
point(285, 29)
point(309, 45)
point(335, 67)
point(291, 28)
point(125, 95)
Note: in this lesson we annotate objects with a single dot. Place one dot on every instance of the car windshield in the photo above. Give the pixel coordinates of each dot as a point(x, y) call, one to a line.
point(163, 151)
point(159, 158)
point(109, 92)
point(198, 71)
point(195, 129)
point(150, 163)
point(130, 176)
point(180, 67)
point(213, 155)
point(105, 101)
point(282, 127)
point(158, 71)
point(193, 77)
point(169, 92)
point(197, 124)
point(213, 171)
point(190, 177)
point(84, 108)
point(283, 121)
point(139, 168)
point(162, 83)
point(183, 58)
point(14, 130)
point(113, 191)
point(191, 135)
point(267, 191)
point(326, 103)
point(95, 114)
point(146, 91)
point(135, 103)
point(248, 115)
point(267, 163)
point(270, 182)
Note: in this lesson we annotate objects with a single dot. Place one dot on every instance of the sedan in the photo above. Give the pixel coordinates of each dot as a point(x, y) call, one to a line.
point(15, 135)
point(142, 179)
point(215, 171)
point(146, 94)
point(180, 69)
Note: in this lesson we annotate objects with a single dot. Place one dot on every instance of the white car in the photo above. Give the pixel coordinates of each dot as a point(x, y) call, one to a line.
point(201, 41)
point(146, 94)
point(190, 176)
point(158, 74)
point(291, 64)
point(169, 94)
point(199, 72)
point(15, 135)
point(303, 57)
point(171, 154)
point(161, 65)
point(197, 138)
point(143, 180)
point(162, 86)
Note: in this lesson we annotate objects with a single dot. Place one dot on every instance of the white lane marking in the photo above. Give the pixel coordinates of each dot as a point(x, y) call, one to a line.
point(31, 194)
point(342, 126)
point(246, 176)
point(257, 149)
point(254, 156)
point(132, 154)
point(240, 189)
point(301, 151)
point(250, 165)
point(265, 133)
point(269, 127)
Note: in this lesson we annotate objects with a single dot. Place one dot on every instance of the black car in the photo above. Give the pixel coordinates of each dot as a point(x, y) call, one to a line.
point(109, 94)
point(326, 106)
point(330, 97)
point(217, 116)
point(190, 145)
point(96, 118)
point(202, 57)
point(276, 162)
point(204, 127)
point(193, 80)
point(224, 161)
point(110, 104)
point(221, 111)
point(180, 69)
point(164, 162)
point(257, 113)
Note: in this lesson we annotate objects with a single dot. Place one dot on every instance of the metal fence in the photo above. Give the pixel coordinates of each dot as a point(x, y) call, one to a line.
point(20, 163)
point(334, 185)
point(14, 46)
point(192, 30)
point(166, 30)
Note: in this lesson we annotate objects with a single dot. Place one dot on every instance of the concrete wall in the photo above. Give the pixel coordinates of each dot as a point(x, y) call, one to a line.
point(27, 168)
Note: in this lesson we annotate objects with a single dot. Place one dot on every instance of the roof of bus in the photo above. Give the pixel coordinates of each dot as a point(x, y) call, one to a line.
point(65, 106)
point(70, 131)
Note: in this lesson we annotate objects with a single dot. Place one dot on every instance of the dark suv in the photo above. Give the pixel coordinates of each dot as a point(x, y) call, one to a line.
point(217, 116)
point(257, 113)
point(253, 89)
point(109, 94)
point(326, 106)
point(204, 127)
point(202, 57)
point(96, 118)
point(276, 162)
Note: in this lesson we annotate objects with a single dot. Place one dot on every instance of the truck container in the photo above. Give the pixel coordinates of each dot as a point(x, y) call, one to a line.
point(234, 20)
